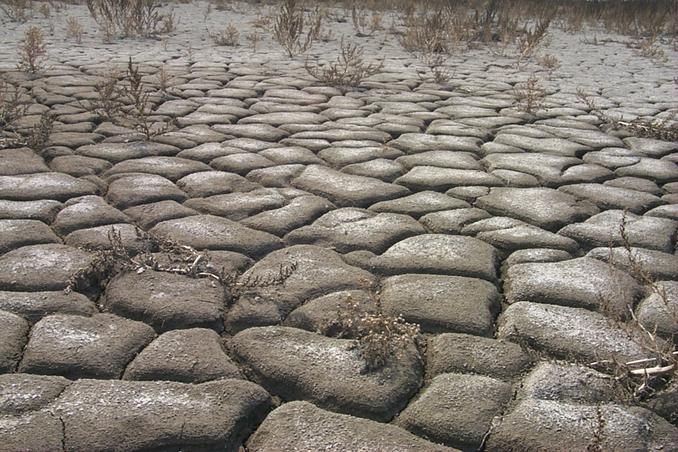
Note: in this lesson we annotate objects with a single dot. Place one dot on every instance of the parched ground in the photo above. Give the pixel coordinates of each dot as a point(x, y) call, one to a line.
point(495, 230)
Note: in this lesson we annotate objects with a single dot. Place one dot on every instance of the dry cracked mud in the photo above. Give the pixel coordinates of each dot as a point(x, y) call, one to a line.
point(495, 230)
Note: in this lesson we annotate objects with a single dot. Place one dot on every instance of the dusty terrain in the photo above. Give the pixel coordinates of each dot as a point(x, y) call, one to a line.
point(497, 231)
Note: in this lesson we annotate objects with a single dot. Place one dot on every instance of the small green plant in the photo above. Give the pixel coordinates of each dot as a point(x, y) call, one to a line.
point(349, 69)
point(380, 337)
point(295, 30)
point(32, 51)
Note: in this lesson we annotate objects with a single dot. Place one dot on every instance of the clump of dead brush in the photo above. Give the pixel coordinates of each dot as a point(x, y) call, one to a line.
point(380, 337)
point(662, 129)
point(32, 51)
point(230, 37)
point(349, 69)
point(365, 21)
point(529, 94)
point(12, 108)
point(15, 10)
point(550, 63)
point(296, 30)
point(131, 17)
point(162, 254)
point(74, 30)
point(129, 103)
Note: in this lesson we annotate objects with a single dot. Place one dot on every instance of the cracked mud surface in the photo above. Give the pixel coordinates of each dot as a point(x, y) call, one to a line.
point(494, 230)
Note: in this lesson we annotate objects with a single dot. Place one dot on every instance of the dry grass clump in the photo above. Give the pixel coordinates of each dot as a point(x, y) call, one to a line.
point(550, 63)
point(230, 37)
point(130, 18)
point(32, 51)
point(349, 69)
point(15, 10)
point(380, 337)
point(74, 30)
point(294, 29)
point(366, 21)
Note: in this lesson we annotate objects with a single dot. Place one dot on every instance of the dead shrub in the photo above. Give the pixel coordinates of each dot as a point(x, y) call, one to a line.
point(349, 69)
point(74, 30)
point(15, 10)
point(32, 51)
point(294, 29)
point(365, 21)
point(230, 37)
point(380, 337)
point(529, 94)
point(130, 18)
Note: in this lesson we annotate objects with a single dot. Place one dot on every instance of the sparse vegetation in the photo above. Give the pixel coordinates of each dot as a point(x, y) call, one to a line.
point(294, 29)
point(365, 21)
point(74, 30)
point(550, 63)
point(662, 129)
point(529, 94)
point(131, 17)
point(15, 10)
point(380, 337)
point(32, 51)
point(349, 69)
point(230, 37)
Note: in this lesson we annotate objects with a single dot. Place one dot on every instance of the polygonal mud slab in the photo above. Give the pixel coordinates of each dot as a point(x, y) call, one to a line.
point(148, 215)
point(98, 415)
point(18, 233)
point(414, 143)
point(31, 431)
point(464, 353)
point(13, 336)
point(167, 301)
point(570, 383)
point(569, 333)
point(555, 146)
point(441, 159)
point(442, 303)
point(132, 190)
point(57, 186)
point(35, 305)
point(536, 255)
point(236, 206)
point(345, 189)
point(639, 262)
point(300, 365)
point(314, 272)
point(659, 310)
point(303, 426)
point(172, 168)
point(605, 229)
point(43, 210)
point(607, 197)
point(539, 424)
point(320, 314)
point(25, 392)
point(191, 356)
point(511, 236)
point(441, 179)
point(298, 212)
point(350, 229)
point(209, 183)
point(456, 410)
point(41, 267)
point(102, 238)
point(86, 212)
point(452, 221)
point(216, 233)
point(542, 207)
point(439, 254)
point(117, 152)
point(580, 283)
point(419, 204)
point(84, 347)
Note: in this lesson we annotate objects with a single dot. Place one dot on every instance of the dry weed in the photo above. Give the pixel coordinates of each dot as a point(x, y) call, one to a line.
point(15, 10)
point(74, 29)
point(131, 17)
point(349, 69)
point(32, 51)
point(230, 37)
point(529, 94)
point(296, 30)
